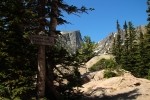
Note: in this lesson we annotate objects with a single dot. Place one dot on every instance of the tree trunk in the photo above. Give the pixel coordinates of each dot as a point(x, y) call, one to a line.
point(41, 72)
point(41, 53)
point(53, 16)
point(51, 90)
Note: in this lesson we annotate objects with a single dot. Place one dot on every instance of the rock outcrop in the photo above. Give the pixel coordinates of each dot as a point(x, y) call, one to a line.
point(124, 87)
point(71, 40)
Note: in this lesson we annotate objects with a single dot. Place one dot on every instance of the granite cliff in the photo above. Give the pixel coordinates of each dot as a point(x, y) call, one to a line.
point(71, 40)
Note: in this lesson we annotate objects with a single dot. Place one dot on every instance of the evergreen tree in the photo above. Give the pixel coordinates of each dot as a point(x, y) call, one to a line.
point(131, 50)
point(142, 70)
point(129, 46)
point(147, 35)
point(17, 55)
point(147, 41)
point(132, 35)
point(118, 44)
point(19, 20)
point(85, 53)
point(114, 46)
point(57, 6)
point(124, 58)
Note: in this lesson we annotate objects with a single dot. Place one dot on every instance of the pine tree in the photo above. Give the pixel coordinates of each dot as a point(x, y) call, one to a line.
point(17, 62)
point(124, 58)
point(147, 41)
point(118, 44)
point(131, 45)
point(147, 35)
point(114, 46)
point(133, 52)
point(132, 34)
point(129, 56)
point(57, 6)
point(85, 53)
point(142, 70)
point(19, 20)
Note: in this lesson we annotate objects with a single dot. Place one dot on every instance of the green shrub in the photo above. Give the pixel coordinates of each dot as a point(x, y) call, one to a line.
point(103, 64)
point(109, 74)
point(148, 76)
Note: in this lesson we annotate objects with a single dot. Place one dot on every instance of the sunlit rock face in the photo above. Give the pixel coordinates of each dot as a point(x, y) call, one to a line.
point(105, 45)
point(71, 40)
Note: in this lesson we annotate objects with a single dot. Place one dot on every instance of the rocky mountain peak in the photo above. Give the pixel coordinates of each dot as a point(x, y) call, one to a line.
point(105, 45)
point(71, 40)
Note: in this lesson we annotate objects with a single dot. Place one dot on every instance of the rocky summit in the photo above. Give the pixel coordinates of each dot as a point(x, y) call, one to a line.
point(71, 40)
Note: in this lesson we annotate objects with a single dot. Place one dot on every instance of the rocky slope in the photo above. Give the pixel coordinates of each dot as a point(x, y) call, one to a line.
point(96, 87)
point(124, 87)
point(105, 45)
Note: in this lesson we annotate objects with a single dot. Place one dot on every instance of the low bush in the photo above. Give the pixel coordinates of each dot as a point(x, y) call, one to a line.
point(103, 64)
point(109, 74)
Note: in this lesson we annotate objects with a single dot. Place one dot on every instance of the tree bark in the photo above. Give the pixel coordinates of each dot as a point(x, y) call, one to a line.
point(50, 72)
point(41, 53)
point(53, 17)
point(41, 72)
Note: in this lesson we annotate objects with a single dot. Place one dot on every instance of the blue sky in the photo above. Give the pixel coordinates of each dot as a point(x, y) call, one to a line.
point(102, 21)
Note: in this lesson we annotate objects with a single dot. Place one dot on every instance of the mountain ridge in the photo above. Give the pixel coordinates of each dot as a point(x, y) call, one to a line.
point(104, 46)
